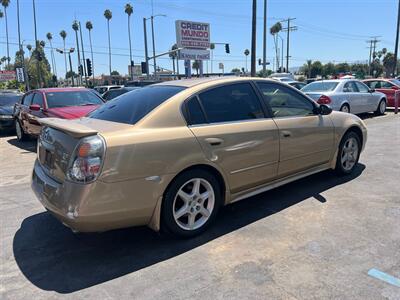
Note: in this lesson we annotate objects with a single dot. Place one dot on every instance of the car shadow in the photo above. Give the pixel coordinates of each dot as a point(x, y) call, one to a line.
point(53, 258)
point(28, 145)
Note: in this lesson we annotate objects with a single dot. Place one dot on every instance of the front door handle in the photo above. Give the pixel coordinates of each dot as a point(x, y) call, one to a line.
point(286, 133)
point(214, 141)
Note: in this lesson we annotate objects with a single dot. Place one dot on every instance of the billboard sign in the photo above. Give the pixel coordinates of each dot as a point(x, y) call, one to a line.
point(7, 75)
point(194, 54)
point(191, 34)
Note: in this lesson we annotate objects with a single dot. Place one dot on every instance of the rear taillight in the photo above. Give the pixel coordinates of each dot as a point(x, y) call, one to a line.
point(87, 160)
point(324, 100)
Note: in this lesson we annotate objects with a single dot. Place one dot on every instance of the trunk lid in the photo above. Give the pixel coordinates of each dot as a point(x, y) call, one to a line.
point(59, 137)
point(314, 96)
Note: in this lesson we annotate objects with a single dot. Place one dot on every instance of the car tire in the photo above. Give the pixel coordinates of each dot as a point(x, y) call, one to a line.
point(21, 135)
point(345, 108)
point(348, 153)
point(381, 108)
point(185, 212)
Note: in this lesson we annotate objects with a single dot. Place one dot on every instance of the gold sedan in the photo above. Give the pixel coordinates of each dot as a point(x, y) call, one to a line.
point(171, 154)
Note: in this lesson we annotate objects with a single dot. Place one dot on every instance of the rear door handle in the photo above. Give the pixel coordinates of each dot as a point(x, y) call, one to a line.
point(214, 141)
point(286, 133)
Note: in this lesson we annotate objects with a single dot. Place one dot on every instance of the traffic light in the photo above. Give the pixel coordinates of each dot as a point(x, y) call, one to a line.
point(144, 67)
point(89, 67)
point(80, 70)
point(227, 48)
point(259, 62)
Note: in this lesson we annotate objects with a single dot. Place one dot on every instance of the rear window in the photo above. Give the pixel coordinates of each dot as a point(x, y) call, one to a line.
point(9, 99)
point(111, 94)
point(72, 98)
point(395, 81)
point(320, 86)
point(129, 108)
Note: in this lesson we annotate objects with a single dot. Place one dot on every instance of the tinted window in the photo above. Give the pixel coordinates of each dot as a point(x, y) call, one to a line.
point(362, 88)
point(196, 115)
point(72, 98)
point(387, 85)
point(8, 99)
point(350, 87)
point(395, 81)
point(320, 86)
point(38, 99)
point(28, 99)
point(285, 102)
point(131, 107)
point(111, 94)
point(373, 84)
point(231, 103)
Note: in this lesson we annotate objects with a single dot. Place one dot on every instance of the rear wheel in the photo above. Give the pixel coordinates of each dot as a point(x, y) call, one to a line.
point(21, 135)
point(191, 203)
point(381, 108)
point(345, 108)
point(348, 153)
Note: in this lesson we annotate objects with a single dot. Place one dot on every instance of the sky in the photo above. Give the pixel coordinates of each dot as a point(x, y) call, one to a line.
point(327, 30)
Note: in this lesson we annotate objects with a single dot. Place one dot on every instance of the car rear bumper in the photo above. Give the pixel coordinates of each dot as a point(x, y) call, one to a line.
point(97, 206)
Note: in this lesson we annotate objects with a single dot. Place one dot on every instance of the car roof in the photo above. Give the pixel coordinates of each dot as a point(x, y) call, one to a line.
point(65, 89)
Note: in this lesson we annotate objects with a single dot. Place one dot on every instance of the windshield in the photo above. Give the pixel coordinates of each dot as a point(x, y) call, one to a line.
point(131, 107)
point(320, 86)
point(72, 98)
point(9, 99)
point(395, 81)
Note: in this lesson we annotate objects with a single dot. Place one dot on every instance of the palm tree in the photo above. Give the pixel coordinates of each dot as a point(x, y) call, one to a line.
point(246, 53)
point(173, 56)
point(63, 34)
point(108, 16)
point(196, 66)
point(129, 11)
point(75, 27)
point(212, 47)
point(274, 30)
point(5, 4)
point(53, 60)
point(89, 27)
point(29, 47)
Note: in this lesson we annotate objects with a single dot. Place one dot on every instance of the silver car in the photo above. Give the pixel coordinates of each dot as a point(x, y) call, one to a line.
point(347, 95)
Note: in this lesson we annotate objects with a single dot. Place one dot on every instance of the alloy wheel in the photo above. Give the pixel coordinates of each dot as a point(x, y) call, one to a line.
point(382, 107)
point(193, 204)
point(345, 109)
point(18, 130)
point(349, 153)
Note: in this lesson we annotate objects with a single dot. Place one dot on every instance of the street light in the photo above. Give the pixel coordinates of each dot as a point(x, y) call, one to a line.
point(152, 35)
point(69, 51)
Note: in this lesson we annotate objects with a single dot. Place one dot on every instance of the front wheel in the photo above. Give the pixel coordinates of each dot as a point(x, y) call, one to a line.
point(191, 203)
point(21, 135)
point(348, 153)
point(381, 108)
point(345, 108)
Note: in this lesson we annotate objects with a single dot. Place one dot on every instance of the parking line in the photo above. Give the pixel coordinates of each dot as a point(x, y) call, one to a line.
point(384, 277)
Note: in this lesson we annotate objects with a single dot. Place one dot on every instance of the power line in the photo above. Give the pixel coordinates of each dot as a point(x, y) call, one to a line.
point(288, 29)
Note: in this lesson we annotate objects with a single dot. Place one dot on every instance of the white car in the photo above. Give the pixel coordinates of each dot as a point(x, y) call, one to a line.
point(101, 89)
point(347, 95)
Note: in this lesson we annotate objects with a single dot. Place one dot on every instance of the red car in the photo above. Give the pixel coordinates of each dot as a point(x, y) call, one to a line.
point(65, 103)
point(386, 86)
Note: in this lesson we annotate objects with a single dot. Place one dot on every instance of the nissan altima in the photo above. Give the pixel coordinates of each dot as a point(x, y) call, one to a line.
point(171, 154)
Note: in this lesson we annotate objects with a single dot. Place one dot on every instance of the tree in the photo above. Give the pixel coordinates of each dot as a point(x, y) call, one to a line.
point(114, 73)
point(89, 27)
point(196, 66)
point(63, 35)
point(5, 4)
point(173, 56)
point(342, 68)
point(212, 47)
point(274, 30)
point(388, 63)
point(246, 53)
point(53, 60)
point(129, 11)
point(29, 47)
point(38, 68)
point(75, 27)
point(329, 69)
point(235, 70)
point(108, 16)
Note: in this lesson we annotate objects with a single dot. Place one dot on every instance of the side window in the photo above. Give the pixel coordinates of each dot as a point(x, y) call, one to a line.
point(362, 88)
point(195, 112)
point(350, 87)
point(37, 99)
point(231, 103)
point(27, 99)
point(374, 84)
point(386, 85)
point(285, 102)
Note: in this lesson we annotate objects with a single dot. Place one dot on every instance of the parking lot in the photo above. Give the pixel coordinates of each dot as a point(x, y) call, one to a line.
point(316, 238)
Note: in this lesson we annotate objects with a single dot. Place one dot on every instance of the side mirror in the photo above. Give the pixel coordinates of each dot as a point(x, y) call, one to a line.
point(34, 107)
point(324, 109)
point(372, 90)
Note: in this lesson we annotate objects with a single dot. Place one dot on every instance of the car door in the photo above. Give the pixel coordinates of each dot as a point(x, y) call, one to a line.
point(354, 98)
point(306, 138)
point(389, 90)
point(234, 132)
point(33, 125)
point(369, 100)
point(24, 109)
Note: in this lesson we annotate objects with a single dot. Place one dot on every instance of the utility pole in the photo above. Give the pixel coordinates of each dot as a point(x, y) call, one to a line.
point(39, 83)
point(253, 39)
point(288, 29)
point(396, 46)
point(265, 40)
point(154, 46)
point(370, 56)
point(146, 55)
